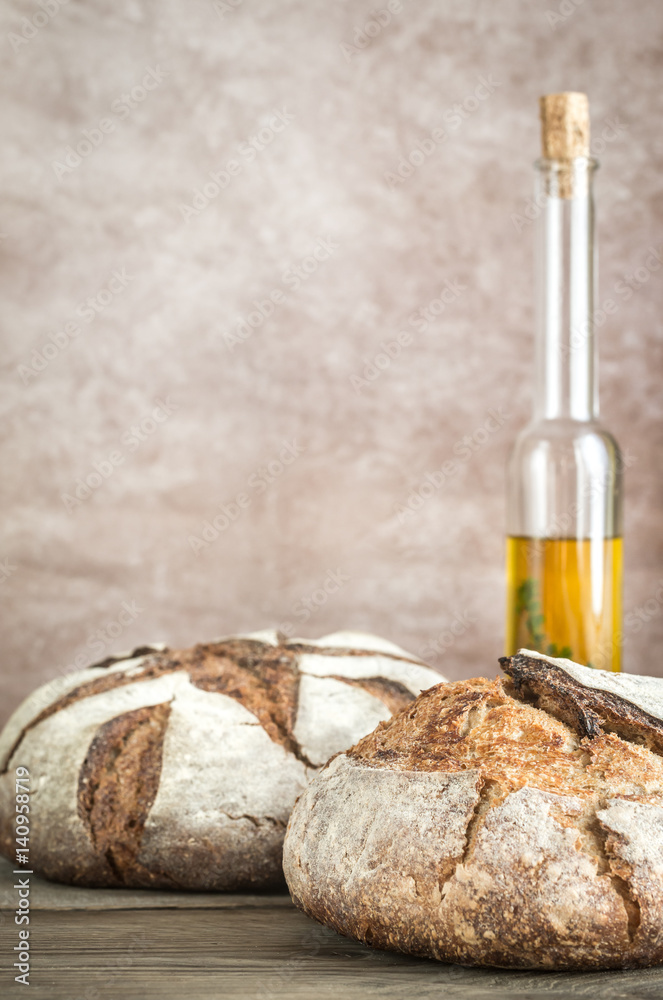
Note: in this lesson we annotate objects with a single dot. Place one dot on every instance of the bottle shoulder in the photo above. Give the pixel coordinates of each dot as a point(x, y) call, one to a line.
point(565, 448)
point(564, 479)
point(571, 435)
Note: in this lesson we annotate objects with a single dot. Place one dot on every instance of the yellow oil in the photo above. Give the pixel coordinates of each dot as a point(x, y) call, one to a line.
point(564, 598)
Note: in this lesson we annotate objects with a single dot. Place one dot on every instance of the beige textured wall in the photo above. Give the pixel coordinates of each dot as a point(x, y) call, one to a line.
point(281, 418)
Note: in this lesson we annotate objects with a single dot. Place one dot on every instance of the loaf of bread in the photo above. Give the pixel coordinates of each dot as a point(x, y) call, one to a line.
point(178, 770)
point(515, 824)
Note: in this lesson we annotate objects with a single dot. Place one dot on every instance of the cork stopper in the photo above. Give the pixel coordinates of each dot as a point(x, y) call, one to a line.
point(564, 125)
point(565, 134)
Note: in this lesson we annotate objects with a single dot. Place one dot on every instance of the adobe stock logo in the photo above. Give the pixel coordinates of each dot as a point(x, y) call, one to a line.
point(88, 310)
point(131, 440)
point(30, 27)
point(291, 280)
point(121, 109)
point(260, 480)
point(248, 151)
point(309, 604)
point(453, 118)
point(223, 7)
point(365, 33)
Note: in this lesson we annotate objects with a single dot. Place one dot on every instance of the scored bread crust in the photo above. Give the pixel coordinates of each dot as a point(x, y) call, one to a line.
point(474, 827)
point(178, 769)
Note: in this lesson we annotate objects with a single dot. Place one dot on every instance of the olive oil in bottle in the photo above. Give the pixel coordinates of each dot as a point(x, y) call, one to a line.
point(565, 598)
point(564, 502)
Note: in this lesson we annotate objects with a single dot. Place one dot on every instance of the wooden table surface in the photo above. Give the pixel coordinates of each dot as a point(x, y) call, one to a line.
point(121, 945)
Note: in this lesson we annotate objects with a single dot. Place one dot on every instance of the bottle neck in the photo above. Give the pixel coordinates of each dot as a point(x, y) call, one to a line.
point(566, 380)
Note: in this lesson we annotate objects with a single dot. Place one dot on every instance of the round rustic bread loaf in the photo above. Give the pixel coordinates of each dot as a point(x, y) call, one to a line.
point(517, 825)
point(178, 770)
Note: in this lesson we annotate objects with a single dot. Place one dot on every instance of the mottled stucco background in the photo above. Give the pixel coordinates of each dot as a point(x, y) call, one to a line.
point(140, 272)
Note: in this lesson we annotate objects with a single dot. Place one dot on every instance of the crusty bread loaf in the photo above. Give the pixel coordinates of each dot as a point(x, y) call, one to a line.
point(515, 824)
point(179, 769)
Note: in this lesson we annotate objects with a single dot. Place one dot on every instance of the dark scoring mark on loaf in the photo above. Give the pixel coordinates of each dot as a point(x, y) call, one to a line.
point(491, 794)
point(134, 654)
point(156, 666)
point(264, 678)
point(257, 821)
point(394, 694)
point(117, 786)
point(618, 873)
point(588, 711)
point(595, 841)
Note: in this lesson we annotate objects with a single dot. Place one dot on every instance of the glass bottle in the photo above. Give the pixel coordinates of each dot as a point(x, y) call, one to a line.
point(564, 493)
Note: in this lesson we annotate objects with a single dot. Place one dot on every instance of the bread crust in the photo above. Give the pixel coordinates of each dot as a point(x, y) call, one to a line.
point(178, 769)
point(474, 827)
point(626, 704)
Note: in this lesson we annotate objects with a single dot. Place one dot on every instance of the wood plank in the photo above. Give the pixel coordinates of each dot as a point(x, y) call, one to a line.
point(266, 953)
